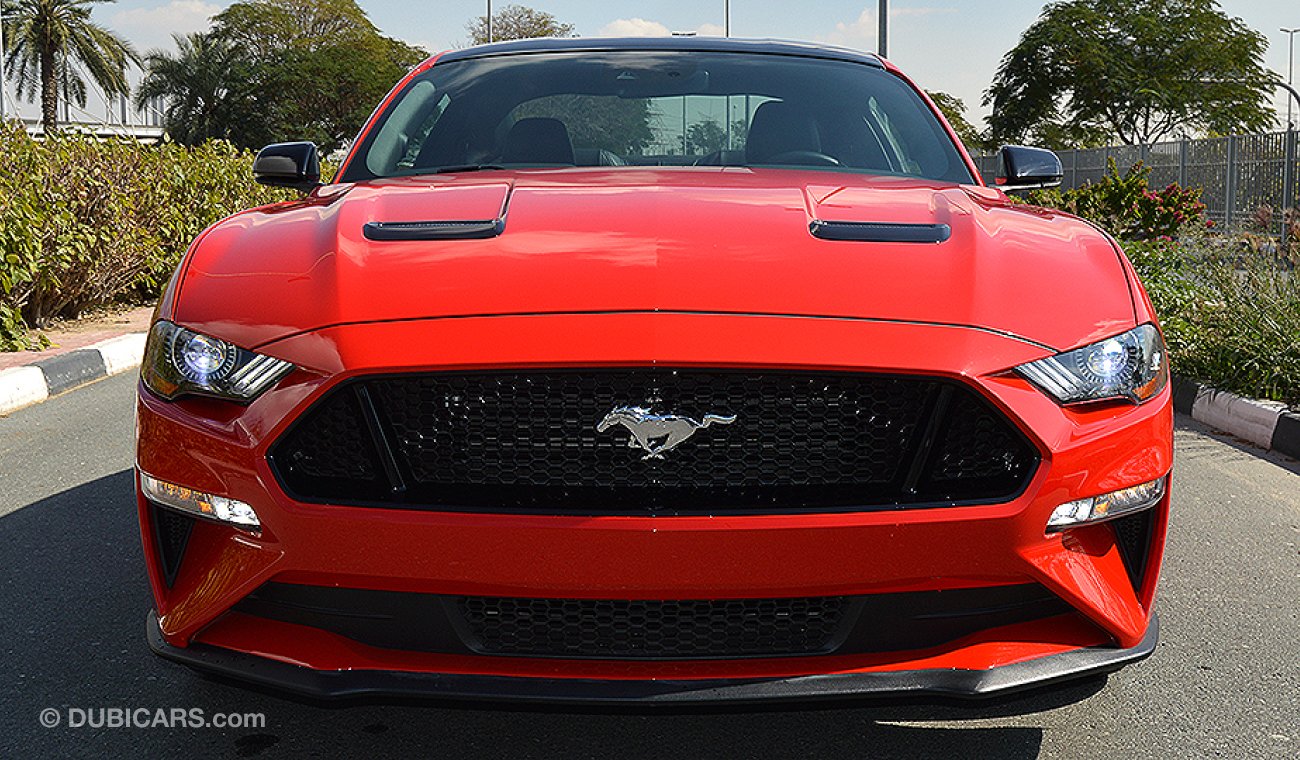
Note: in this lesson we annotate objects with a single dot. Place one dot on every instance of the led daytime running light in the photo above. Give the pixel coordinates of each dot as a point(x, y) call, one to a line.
point(200, 504)
point(1108, 506)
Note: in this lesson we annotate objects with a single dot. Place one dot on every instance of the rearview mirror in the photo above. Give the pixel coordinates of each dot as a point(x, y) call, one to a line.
point(295, 164)
point(1021, 168)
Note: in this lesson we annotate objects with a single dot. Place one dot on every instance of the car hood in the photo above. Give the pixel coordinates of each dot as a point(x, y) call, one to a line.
point(732, 240)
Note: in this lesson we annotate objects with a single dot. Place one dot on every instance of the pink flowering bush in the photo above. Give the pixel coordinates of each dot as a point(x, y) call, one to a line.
point(1129, 208)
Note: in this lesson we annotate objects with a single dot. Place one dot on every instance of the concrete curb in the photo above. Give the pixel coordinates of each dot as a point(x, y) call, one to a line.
point(36, 382)
point(1266, 424)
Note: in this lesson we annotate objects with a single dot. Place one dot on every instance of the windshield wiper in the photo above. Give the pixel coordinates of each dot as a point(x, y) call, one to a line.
point(466, 168)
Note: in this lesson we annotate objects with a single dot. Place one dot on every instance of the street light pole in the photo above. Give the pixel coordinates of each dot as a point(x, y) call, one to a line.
point(1290, 70)
point(489, 19)
point(726, 18)
point(882, 29)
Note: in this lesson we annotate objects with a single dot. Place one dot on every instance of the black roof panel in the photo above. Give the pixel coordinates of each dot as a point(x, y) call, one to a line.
point(703, 44)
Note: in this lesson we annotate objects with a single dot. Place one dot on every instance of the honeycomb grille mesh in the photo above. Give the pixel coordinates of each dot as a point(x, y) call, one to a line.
point(530, 441)
point(677, 629)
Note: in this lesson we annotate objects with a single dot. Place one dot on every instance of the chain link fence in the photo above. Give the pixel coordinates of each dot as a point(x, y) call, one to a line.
point(1238, 175)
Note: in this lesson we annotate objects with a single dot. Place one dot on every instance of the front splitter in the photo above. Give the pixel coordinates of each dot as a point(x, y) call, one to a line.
point(347, 684)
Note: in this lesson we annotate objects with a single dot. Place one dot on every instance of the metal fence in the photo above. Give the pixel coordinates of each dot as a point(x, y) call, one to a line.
point(1238, 175)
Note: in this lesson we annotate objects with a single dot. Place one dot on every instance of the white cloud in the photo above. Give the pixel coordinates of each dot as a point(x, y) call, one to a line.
point(710, 30)
point(150, 28)
point(861, 32)
point(633, 27)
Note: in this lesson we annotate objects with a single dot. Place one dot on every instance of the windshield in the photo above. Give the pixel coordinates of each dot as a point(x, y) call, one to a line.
point(657, 108)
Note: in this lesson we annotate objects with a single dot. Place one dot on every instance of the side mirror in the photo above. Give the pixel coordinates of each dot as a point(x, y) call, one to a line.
point(1021, 168)
point(295, 164)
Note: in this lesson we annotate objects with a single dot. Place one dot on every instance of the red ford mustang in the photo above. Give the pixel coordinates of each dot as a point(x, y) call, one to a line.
point(654, 371)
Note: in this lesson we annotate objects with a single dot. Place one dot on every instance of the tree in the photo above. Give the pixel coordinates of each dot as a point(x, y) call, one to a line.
point(954, 110)
point(517, 22)
point(206, 87)
point(50, 44)
point(1137, 70)
point(266, 28)
point(279, 70)
point(325, 93)
point(704, 137)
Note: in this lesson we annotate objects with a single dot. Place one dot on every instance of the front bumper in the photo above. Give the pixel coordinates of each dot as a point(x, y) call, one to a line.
point(217, 447)
point(345, 684)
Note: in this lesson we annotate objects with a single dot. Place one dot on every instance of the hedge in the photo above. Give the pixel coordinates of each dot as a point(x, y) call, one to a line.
point(1231, 314)
point(86, 222)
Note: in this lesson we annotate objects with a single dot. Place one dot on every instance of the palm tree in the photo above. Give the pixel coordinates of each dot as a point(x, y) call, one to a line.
point(50, 43)
point(208, 86)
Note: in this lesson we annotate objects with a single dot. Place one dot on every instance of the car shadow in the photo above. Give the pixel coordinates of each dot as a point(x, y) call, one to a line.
point(76, 596)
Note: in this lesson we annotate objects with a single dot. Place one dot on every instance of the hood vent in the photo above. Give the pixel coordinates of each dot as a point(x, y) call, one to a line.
point(472, 230)
point(880, 232)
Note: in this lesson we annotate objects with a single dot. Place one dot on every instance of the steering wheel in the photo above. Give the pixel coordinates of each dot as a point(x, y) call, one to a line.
point(809, 157)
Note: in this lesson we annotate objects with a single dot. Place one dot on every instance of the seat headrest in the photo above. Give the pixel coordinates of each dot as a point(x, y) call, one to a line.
point(537, 140)
point(780, 127)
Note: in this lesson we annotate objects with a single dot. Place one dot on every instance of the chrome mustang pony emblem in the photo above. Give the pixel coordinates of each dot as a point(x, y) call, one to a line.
point(657, 434)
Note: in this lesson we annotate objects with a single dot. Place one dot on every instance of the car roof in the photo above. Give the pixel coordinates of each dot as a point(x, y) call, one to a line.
point(702, 44)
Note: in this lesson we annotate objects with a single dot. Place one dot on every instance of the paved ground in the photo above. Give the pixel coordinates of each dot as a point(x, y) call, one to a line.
point(1225, 681)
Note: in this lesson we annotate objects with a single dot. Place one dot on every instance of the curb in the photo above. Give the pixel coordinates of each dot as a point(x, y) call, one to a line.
point(34, 383)
point(1267, 424)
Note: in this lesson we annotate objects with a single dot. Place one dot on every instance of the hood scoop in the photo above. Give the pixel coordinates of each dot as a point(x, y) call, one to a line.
point(434, 230)
point(880, 232)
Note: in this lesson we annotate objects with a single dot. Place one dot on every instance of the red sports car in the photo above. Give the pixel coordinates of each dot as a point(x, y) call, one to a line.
point(654, 371)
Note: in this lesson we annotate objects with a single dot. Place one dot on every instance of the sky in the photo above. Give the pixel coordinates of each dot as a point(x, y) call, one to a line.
point(949, 45)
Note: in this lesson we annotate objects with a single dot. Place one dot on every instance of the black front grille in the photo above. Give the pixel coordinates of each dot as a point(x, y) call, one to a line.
point(627, 629)
point(528, 441)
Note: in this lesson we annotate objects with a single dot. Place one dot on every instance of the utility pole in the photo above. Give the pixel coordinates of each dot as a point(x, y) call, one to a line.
point(882, 30)
point(1290, 70)
point(726, 18)
point(489, 19)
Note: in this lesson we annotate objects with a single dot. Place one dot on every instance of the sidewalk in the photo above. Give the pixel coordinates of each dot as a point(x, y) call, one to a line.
point(70, 336)
point(82, 352)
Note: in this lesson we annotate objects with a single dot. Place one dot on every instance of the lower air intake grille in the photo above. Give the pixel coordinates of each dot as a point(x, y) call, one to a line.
point(533, 441)
point(609, 628)
point(172, 533)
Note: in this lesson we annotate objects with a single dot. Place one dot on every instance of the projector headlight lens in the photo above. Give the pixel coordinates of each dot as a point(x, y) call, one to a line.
point(179, 362)
point(1130, 366)
point(1107, 506)
point(199, 504)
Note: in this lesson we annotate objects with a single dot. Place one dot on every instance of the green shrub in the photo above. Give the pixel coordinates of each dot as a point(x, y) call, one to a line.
point(1128, 208)
point(1231, 318)
point(85, 222)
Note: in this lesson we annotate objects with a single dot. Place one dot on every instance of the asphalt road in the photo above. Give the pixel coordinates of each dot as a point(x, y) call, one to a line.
point(1225, 681)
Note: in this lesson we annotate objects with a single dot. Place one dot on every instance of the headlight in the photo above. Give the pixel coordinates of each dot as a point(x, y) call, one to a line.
point(178, 362)
point(1130, 366)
